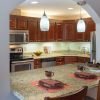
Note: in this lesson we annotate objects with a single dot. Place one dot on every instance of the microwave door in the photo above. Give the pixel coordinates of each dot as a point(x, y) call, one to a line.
point(19, 38)
point(16, 38)
point(12, 38)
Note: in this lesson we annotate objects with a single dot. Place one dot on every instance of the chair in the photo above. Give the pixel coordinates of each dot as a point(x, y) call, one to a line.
point(98, 93)
point(80, 95)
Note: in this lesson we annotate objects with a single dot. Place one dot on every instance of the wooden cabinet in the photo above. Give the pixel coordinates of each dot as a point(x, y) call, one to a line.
point(33, 29)
point(51, 33)
point(59, 31)
point(69, 30)
point(41, 35)
point(83, 59)
point(13, 22)
point(37, 63)
point(18, 22)
point(90, 27)
point(70, 59)
point(60, 60)
point(22, 23)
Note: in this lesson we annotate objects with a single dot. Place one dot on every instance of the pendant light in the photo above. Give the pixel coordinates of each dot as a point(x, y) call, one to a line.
point(81, 25)
point(44, 23)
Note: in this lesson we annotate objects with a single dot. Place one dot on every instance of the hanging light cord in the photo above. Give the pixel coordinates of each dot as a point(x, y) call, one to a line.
point(80, 13)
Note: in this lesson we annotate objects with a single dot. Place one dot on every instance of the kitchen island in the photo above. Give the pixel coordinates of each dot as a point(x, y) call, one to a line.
point(22, 87)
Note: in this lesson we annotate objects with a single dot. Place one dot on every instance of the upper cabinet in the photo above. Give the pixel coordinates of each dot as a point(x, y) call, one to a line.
point(33, 29)
point(41, 35)
point(18, 22)
point(60, 30)
point(22, 23)
point(90, 27)
point(13, 22)
point(51, 33)
point(69, 30)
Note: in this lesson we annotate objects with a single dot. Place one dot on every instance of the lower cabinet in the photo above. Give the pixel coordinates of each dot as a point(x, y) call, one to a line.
point(37, 63)
point(70, 59)
point(60, 60)
point(83, 59)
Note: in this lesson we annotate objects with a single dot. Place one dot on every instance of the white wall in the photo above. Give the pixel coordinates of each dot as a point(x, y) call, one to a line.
point(5, 9)
point(98, 42)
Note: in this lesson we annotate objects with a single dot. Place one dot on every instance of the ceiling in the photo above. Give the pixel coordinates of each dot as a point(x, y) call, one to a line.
point(53, 8)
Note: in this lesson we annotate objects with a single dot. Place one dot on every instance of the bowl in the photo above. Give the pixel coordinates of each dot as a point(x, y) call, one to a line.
point(38, 53)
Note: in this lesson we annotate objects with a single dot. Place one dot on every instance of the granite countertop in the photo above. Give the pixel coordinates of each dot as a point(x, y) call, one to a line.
point(21, 82)
point(60, 53)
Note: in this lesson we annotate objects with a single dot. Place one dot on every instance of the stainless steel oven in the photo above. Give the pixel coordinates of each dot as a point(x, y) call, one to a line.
point(19, 62)
point(21, 65)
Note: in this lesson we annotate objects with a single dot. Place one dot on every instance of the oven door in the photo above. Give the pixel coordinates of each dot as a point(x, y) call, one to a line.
point(21, 65)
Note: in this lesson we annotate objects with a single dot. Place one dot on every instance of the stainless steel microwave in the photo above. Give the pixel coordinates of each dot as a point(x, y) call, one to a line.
point(19, 36)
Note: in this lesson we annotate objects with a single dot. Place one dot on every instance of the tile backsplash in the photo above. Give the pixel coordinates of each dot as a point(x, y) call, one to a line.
point(56, 46)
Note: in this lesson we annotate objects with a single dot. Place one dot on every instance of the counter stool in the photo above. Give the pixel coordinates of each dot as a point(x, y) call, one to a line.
point(98, 94)
point(80, 95)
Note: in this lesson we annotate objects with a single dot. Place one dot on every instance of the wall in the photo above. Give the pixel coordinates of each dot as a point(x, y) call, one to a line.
point(98, 42)
point(5, 9)
point(56, 46)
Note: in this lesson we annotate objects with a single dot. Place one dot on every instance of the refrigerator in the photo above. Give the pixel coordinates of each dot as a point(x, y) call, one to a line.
point(93, 47)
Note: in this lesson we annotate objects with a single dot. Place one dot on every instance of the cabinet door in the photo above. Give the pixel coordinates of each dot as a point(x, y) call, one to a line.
point(70, 59)
point(13, 22)
point(33, 29)
point(83, 59)
point(90, 27)
point(69, 30)
point(51, 32)
point(60, 60)
point(22, 23)
point(59, 31)
point(37, 63)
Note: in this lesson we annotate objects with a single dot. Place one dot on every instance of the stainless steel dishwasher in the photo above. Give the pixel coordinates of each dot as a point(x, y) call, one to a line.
point(48, 62)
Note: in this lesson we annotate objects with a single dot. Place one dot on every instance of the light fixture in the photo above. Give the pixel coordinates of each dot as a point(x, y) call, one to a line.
point(81, 26)
point(70, 8)
point(44, 23)
point(34, 2)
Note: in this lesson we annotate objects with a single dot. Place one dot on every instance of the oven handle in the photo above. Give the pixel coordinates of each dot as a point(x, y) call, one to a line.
point(23, 61)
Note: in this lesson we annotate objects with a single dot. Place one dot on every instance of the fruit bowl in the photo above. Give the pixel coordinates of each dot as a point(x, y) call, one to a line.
point(37, 53)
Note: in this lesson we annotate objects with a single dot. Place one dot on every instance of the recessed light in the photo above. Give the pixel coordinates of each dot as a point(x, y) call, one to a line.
point(34, 2)
point(70, 8)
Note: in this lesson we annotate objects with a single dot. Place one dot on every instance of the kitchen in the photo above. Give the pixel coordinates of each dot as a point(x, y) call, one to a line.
point(61, 48)
point(61, 32)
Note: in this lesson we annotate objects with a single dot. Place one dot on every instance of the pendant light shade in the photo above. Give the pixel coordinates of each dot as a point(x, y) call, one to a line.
point(81, 26)
point(44, 23)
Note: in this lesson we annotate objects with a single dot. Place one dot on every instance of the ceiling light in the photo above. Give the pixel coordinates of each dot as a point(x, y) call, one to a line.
point(70, 8)
point(44, 23)
point(34, 2)
point(81, 26)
